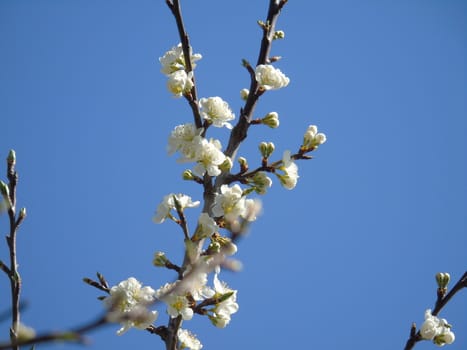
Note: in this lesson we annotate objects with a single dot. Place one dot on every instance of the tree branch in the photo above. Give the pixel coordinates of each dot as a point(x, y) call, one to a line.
point(239, 132)
point(415, 336)
point(75, 335)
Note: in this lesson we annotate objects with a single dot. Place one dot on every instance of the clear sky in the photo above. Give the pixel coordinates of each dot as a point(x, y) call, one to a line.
point(345, 261)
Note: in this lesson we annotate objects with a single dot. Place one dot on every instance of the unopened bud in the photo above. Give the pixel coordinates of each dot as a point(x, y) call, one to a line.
point(160, 259)
point(442, 278)
point(271, 120)
point(22, 213)
point(278, 34)
point(11, 159)
point(4, 190)
point(244, 94)
point(24, 332)
point(226, 165)
point(243, 164)
point(188, 175)
point(266, 149)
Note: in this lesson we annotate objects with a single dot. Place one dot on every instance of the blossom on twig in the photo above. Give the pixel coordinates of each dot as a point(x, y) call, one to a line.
point(127, 305)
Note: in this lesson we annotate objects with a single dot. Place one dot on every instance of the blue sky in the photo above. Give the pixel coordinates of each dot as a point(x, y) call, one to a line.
point(345, 261)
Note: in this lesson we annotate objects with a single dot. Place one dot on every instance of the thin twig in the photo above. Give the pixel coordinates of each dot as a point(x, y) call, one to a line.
point(192, 98)
point(12, 270)
point(239, 132)
point(75, 335)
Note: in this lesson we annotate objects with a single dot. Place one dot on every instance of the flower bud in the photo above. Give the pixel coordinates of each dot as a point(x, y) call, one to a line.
point(278, 34)
point(4, 190)
point(188, 175)
point(25, 333)
point(22, 213)
point(266, 149)
point(160, 259)
point(261, 182)
point(442, 278)
point(244, 94)
point(11, 159)
point(271, 120)
point(226, 165)
point(243, 164)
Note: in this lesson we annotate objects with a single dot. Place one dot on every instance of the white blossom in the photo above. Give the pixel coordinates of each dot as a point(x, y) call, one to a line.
point(176, 304)
point(270, 78)
point(206, 227)
point(220, 316)
point(188, 340)
point(216, 111)
point(168, 203)
point(127, 305)
point(195, 283)
point(229, 203)
point(252, 209)
point(179, 82)
point(208, 155)
point(174, 60)
point(182, 139)
point(290, 177)
point(437, 330)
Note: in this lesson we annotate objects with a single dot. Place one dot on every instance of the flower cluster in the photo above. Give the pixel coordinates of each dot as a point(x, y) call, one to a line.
point(227, 305)
point(128, 302)
point(180, 80)
point(229, 208)
point(312, 139)
point(437, 330)
point(208, 155)
point(231, 203)
point(127, 305)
